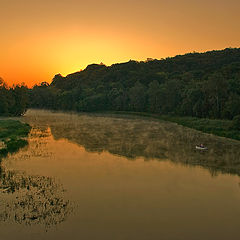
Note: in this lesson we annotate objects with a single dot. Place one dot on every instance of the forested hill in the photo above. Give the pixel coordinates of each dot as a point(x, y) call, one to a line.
point(194, 84)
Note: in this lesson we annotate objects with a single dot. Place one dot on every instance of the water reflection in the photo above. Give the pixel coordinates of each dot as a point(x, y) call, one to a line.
point(134, 137)
point(120, 193)
point(32, 199)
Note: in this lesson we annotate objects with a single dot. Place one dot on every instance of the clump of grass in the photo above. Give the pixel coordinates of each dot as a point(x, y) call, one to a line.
point(11, 134)
point(14, 145)
point(12, 128)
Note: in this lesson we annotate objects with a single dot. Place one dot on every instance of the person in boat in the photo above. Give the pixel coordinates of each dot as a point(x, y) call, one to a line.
point(201, 146)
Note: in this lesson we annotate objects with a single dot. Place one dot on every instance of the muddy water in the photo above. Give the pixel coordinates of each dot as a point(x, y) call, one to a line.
point(92, 176)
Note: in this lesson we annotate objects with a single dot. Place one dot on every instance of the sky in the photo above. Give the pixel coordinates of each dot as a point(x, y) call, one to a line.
point(41, 38)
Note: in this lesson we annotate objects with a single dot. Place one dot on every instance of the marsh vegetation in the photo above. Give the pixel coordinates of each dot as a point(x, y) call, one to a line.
point(12, 136)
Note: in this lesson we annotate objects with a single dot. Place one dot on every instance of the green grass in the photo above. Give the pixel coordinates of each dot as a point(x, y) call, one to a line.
point(11, 134)
point(217, 127)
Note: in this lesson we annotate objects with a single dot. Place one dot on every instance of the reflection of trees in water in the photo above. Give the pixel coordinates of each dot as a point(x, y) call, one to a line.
point(27, 199)
point(32, 199)
point(39, 140)
point(134, 137)
point(138, 137)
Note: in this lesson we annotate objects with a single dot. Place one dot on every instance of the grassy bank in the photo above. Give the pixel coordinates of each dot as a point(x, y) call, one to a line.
point(12, 135)
point(222, 128)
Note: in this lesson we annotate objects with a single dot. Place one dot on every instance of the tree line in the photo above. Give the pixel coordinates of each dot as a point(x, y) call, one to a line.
point(13, 100)
point(205, 85)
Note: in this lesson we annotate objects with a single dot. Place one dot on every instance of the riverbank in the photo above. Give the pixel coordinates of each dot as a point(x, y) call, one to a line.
point(222, 128)
point(12, 134)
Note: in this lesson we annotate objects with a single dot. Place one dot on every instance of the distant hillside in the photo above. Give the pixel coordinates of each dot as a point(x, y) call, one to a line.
point(194, 84)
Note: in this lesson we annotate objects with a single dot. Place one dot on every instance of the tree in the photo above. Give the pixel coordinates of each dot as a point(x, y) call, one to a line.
point(216, 88)
point(232, 106)
point(154, 98)
point(20, 93)
point(137, 97)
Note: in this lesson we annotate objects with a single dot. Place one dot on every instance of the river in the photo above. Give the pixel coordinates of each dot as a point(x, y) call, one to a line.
point(116, 177)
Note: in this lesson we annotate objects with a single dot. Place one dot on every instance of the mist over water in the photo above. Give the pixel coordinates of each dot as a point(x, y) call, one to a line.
point(96, 176)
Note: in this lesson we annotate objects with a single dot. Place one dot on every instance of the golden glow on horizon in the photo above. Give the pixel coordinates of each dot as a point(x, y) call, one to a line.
point(42, 38)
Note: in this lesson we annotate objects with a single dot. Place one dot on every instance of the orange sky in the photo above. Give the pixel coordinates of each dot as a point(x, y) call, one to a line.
point(40, 38)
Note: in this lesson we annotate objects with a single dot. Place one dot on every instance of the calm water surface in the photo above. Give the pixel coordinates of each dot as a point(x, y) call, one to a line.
point(119, 178)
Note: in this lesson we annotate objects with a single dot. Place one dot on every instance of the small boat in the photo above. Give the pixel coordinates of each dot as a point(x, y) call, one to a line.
point(201, 148)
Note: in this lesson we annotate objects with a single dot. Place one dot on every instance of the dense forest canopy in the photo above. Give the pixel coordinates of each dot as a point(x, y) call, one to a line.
point(203, 85)
point(194, 84)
